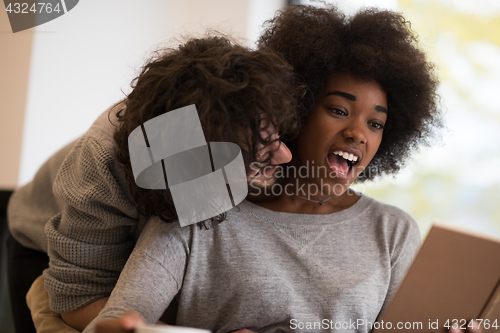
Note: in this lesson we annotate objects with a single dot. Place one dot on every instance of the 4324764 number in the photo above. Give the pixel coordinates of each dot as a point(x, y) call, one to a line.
point(39, 7)
point(463, 324)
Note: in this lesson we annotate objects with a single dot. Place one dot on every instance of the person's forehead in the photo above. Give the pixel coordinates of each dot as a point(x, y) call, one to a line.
point(267, 128)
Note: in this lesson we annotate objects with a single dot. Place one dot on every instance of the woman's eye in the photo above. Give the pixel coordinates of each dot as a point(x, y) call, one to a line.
point(377, 125)
point(337, 111)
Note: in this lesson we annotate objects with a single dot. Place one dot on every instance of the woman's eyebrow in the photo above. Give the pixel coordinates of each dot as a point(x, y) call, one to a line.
point(353, 98)
point(343, 94)
point(381, 109)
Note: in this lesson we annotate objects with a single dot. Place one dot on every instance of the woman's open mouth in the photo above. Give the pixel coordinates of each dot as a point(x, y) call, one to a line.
point(342, 163)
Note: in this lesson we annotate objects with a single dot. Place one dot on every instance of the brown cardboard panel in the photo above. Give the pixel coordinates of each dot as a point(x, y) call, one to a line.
point(453, 277)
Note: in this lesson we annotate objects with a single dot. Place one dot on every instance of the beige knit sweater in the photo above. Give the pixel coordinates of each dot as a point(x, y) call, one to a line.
point(81, 198)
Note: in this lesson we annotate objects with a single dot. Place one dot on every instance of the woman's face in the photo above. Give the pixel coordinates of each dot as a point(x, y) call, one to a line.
point(343, 132)
point(262, 174)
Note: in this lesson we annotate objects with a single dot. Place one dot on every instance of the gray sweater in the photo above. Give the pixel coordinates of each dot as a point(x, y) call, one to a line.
point(269, 271)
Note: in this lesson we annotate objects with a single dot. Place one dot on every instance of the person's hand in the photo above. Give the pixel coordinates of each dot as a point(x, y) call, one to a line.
point(124, 324)
point(474, 329)
point(80, 318)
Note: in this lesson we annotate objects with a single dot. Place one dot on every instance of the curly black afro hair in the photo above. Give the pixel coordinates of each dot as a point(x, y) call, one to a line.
point(371, 45)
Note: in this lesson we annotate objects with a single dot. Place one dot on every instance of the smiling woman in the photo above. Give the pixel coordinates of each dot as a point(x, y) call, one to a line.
point(372, 102)
point(372, 45)
point(372, 94)
point(344, 130)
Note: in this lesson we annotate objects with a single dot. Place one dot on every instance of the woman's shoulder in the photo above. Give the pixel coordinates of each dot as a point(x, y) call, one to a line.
point(393, 223)
point(385, 210)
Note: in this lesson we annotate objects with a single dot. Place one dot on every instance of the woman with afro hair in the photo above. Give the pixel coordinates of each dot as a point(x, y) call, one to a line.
point(316, 255)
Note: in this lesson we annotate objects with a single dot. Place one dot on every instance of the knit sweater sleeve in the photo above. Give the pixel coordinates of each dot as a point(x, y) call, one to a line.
point(153, 274)
point(90, 240)
point(405, 248)
point(31, 206)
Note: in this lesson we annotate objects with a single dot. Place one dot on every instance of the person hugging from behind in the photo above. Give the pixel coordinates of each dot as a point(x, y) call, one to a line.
point(97, 212)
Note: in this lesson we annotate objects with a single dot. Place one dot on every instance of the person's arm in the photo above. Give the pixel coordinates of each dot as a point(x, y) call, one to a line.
point(128, 322)
point(33, 205)
point(152, 276)
point(80, 318)
point(407, 243)
point(125, 324)
point(91, 239)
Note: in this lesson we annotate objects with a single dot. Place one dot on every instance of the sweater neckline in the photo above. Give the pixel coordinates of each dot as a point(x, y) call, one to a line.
point(344, 215)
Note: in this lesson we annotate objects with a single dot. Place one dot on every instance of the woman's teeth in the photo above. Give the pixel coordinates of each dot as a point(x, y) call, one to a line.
point(347, 156)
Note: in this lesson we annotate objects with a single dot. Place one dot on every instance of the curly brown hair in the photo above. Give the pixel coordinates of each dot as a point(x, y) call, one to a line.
point(233, 88)
point(373, 44)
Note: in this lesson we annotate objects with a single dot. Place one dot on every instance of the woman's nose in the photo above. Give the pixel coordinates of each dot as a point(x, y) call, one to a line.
point(281, 155)
point(354, 131)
